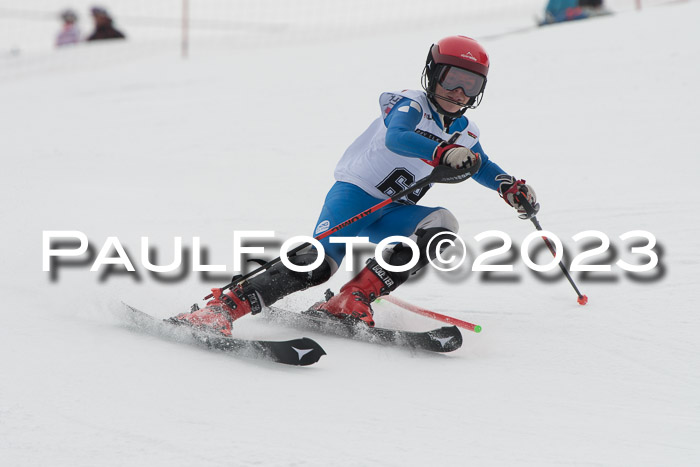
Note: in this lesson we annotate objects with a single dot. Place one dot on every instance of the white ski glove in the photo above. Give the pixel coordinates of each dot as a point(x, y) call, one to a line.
point(516, 193)
point(454, 155)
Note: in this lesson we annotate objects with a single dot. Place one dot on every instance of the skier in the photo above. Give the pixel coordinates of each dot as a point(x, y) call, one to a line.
point(417, 131)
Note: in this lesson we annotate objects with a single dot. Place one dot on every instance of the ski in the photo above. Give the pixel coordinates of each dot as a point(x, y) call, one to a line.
point(300, 352)
point(444, 339)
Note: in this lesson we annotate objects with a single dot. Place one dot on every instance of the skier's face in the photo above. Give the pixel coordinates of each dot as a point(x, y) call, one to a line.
point(455, 95)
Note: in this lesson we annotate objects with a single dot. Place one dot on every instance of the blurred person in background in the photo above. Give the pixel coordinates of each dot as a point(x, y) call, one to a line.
point(70, 33)
point(104, 29)
point(557, 11)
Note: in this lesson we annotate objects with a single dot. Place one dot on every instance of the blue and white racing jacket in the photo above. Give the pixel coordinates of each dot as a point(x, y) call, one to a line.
point(395, 150)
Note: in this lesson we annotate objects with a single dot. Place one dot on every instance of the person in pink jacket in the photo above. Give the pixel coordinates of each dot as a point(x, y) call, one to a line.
point(70, 33)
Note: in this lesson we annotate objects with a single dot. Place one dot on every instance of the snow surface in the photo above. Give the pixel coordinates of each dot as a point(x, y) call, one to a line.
point(600, 116)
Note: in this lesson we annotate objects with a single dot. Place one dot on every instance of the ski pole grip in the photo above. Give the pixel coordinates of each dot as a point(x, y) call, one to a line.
point(529, 210)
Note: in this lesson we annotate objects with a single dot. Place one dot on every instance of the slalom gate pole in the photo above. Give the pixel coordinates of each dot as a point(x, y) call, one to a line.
point(582, 299)
point(431, 314)
point(440, 174)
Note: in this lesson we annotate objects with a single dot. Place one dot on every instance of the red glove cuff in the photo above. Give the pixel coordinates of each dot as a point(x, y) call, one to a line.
point(440, 151)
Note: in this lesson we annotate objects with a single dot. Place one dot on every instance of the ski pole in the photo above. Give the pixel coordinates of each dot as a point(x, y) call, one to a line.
point(582, 299)
point(431, 314)
point(440, 174)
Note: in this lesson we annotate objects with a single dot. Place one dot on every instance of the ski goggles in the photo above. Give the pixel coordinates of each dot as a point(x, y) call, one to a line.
point(451, 78)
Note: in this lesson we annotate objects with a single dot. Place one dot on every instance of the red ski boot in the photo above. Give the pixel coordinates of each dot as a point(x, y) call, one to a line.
point(355, 298)
point(220, 312)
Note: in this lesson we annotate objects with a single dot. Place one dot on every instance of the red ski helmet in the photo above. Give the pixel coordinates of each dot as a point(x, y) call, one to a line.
point(464, 54)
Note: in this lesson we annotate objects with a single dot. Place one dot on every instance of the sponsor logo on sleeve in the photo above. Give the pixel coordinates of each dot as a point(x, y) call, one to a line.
point(322, 227)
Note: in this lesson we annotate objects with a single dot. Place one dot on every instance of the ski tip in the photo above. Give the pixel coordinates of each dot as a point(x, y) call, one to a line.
point(449, 339)
point(308, 352)
point(315, 345)
point(582, 300)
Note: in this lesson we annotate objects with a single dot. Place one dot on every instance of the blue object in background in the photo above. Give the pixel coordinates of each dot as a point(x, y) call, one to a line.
point(563, 10)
